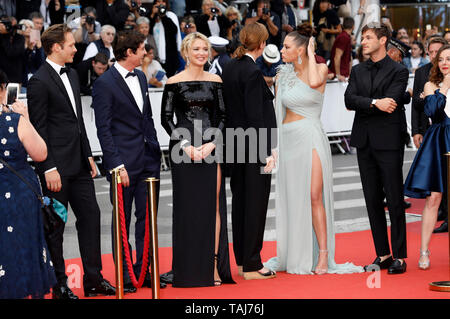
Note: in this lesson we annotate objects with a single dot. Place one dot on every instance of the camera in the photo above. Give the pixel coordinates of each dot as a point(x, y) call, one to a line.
point(265, 11)
point(233, 22)
point(11, 28)
point(133, 4)
point(90, 20)
point(188, 26)
point(162, 10)
point(214, 10)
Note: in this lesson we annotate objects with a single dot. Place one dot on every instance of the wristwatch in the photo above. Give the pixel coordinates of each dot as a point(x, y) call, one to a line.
point(374, 102)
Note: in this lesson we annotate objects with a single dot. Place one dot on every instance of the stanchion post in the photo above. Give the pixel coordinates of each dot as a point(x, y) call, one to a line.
point(445, 285)
point(118, 262)
point(153, 210)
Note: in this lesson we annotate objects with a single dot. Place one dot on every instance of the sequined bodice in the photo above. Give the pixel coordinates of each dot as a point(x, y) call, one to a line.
point(296, 95)
point(193, 101)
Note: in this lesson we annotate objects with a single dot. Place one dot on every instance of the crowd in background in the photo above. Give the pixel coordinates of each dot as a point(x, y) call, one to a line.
point(166, 22)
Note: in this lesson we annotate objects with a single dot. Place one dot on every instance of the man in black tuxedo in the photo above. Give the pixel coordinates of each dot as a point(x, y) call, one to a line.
point(55, 111)
point(420, 122)
point(127, 135)
point(249, 103)
point(375, 92)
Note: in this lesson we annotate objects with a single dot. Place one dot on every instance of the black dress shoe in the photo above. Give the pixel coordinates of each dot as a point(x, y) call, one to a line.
point(167, 278)
point(103, 288)
point(397, 267)
point(63, 292)
point(148, 283)
point(406, 204)
point(129, 288)
point(441, 229)
point(441, 215)
point(378, 264)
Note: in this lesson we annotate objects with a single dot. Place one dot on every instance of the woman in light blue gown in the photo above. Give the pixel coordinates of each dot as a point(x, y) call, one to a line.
point(304, 181)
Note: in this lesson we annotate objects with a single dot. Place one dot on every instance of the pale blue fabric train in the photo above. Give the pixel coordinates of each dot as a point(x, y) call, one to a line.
point(297, 247)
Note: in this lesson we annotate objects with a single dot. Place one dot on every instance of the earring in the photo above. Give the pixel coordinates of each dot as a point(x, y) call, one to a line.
point(187, 62)
point(299, 60)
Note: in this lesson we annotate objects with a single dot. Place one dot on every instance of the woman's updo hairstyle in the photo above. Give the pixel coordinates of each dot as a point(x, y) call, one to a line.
point(251, 37)
point(302, 34)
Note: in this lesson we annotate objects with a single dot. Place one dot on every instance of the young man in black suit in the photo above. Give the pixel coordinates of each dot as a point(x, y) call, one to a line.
point(249, 104)
point(55, 111)
point(420, 122)
point(375, 92)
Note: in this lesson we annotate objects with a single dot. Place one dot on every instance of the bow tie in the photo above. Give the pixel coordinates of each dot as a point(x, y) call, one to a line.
point(64, 70)
point(371, 64)
point(130, 74)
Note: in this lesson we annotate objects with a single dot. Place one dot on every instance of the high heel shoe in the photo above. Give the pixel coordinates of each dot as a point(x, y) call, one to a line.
point(321, 271)
point(217, 282)
point(424, 264)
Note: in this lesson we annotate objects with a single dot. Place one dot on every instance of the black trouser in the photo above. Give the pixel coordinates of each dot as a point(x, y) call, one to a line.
point(382, 170)
point(251, 190)
point(79, 192)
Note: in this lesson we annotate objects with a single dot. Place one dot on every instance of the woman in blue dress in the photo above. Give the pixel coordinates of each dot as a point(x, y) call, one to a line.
point(427, 175)
point(25, 266)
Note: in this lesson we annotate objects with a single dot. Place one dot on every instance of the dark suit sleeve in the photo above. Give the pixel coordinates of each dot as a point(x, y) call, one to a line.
point(253, 100)
point(397, 88)
point(84, 137)
point(102, 102)
point(419, 83)
point(82, 70)
point(167, 113)
point(254, 104)
point(37, 100)
point(353, 101)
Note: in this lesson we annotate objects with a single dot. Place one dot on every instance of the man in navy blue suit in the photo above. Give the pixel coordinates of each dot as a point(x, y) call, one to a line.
point(127, 133)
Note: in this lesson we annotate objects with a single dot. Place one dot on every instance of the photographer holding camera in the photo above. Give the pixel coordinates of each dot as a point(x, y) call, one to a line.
point(166, 32)
point(212, 22)
point(86, 29)
point(12, 49)
point(268, 18)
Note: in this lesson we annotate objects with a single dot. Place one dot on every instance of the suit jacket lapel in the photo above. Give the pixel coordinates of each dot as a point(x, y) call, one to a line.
point(123, 85)
point(59, 83)
point(76, 93)
point(144, 89)
point(367, 79)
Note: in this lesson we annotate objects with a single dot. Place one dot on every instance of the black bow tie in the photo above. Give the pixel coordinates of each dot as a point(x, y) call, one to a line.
point(64, 70)
point(371, 64)
point(130, 74)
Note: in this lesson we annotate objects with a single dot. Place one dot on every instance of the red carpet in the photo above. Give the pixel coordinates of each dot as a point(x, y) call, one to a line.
point(356, 247)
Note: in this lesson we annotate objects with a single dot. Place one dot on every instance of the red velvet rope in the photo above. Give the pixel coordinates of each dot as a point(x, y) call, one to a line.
point(125, 242)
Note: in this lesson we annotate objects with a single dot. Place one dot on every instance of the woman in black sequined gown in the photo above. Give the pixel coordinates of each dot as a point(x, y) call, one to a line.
point(200, 238)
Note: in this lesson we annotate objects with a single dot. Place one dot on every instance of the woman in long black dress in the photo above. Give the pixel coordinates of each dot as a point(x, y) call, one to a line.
point(200, 239)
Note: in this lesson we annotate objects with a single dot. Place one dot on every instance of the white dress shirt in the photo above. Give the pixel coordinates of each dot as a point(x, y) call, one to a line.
point(66, 82)
point(133, 85)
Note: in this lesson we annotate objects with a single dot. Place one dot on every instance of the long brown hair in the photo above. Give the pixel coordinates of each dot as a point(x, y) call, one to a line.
point(436, 76)
point(251, 37)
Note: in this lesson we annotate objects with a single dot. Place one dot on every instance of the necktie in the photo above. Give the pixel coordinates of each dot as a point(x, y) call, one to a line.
point(64, 70)
point(130, 74)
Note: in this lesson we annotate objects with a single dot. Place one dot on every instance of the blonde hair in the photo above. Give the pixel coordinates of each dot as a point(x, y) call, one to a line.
point(189, 39)
point(251, 37)
point(232, 9)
